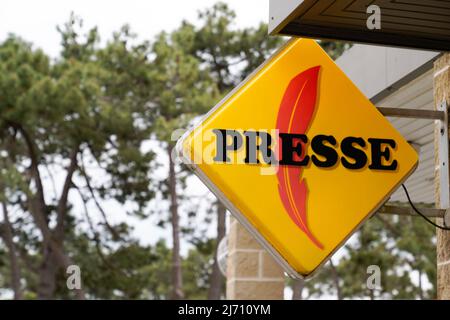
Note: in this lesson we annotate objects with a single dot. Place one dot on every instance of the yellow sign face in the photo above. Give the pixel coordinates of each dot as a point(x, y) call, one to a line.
point(299, 155)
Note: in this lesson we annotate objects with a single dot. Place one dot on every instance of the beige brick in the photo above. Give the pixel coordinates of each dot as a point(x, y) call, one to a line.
point(244, 272)
point(441, 92)
point(443, 281)
point(230, 290)
point(243, 264)
point(270, 268)
point(245, 239)
point(442, 62)
point(261, 290)
point(232, 234)
point(443, 244)
point(442, 80)
point(240, 238)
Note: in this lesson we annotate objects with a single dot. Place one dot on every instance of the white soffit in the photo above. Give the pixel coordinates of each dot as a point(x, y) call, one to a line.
point(406, 23)
point(400, 78)
point(417, 94)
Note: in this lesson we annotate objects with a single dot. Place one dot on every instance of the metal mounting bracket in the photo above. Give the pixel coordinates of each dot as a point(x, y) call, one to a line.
point(440, 116)
point(443, 166)
point(412, 113)
point(409, 211)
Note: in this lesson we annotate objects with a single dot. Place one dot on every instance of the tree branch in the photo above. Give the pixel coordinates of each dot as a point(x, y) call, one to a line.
point(37, 205)
point(97, 204)
point(96, 237)
point(62, 203)
point(388, 226)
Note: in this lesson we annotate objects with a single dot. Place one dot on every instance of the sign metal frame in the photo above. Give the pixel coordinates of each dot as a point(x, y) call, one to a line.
point(290, 271)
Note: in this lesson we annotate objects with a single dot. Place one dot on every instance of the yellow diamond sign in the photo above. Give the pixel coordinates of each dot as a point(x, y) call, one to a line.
point(299, 155)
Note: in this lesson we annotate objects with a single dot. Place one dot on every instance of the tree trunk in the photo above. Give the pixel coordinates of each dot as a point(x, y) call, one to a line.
point(54, 257)
point(336, 280)
point(52, 248)
point(13, 256)
point(47, 273)
point(54, 260)
point(297, 289)
point(420, 285)
point(216, 279)
point(177, 277)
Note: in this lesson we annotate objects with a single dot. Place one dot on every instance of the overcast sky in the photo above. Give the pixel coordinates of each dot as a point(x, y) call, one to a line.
point(36, 21)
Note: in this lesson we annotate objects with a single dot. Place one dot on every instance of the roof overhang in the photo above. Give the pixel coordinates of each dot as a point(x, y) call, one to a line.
point(406, 23)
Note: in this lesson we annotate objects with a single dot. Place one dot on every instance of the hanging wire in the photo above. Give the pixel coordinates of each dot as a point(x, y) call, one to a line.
point(444, 227)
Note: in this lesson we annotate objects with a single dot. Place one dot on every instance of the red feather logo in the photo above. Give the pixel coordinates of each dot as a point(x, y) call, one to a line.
point(296, 114)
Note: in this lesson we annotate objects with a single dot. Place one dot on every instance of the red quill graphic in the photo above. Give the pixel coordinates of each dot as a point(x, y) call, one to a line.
point(296, 113)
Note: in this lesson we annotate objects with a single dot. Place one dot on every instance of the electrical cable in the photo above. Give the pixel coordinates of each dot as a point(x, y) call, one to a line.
point(421, 214)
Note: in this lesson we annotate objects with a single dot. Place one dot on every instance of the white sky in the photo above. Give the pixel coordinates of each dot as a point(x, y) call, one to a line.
point(36, 21)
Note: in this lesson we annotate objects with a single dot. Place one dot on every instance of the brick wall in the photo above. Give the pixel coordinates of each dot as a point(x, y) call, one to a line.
point(251, 271)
